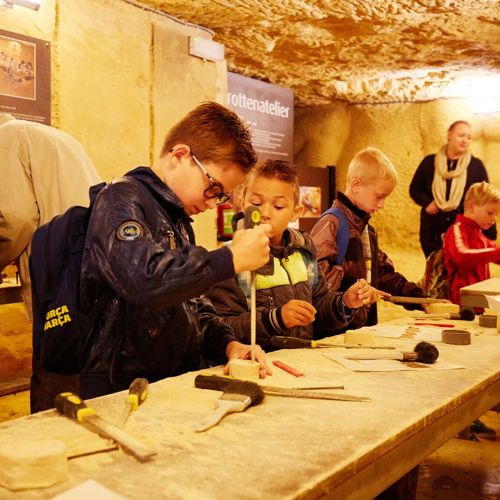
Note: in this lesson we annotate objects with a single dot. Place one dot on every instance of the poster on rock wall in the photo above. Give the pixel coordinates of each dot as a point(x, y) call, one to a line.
point(268, 109)
point(25, 77)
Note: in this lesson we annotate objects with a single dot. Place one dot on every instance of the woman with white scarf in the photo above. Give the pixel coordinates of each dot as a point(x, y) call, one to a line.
point(440, 183)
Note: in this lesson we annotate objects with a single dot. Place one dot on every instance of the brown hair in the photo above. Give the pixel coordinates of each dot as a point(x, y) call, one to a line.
point(482, 193)
point(214, 133)
point(276, 169)
point(458, 122)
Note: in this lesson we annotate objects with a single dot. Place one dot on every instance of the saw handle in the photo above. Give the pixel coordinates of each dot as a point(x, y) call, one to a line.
point(252, 216)
point(137, 392)
point(72, 406)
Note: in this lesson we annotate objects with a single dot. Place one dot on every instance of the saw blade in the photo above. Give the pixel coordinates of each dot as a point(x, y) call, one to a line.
point(299, 393)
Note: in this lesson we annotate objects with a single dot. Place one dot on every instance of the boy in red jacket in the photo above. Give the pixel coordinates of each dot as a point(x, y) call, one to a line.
point(467, 252)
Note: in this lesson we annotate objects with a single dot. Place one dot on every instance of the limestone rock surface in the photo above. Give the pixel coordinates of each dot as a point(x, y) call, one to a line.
point(356, 51)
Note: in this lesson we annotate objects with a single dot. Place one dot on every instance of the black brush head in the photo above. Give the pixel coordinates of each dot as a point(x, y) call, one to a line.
point(467, 315)
point(245, 388)
point(214, 382)
point(426, 352)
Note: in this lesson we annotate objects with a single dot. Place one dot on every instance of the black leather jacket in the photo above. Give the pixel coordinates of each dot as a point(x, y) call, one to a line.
point(140, 243)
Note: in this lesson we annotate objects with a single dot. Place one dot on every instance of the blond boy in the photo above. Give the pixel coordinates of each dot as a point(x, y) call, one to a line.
point(371, 178)
point(292, 297)
point(467, 252)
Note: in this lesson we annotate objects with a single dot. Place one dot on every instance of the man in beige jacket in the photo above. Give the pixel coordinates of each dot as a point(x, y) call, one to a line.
point(43, 172)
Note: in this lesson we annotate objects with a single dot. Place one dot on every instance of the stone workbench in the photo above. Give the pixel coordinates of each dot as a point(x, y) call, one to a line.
point(284, 447)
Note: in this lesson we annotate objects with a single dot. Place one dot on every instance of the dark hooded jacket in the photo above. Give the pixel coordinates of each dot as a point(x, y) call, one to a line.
point(140, 243)
point(291, 273)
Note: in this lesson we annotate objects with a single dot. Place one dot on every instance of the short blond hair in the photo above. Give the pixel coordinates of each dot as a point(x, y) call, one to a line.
point(371, 165)
point(482, 193)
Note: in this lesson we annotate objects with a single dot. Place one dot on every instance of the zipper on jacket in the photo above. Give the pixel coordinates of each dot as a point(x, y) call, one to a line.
point(171, 239)
point(289, 280)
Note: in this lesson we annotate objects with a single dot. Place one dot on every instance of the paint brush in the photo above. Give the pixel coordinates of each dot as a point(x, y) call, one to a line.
point(282, 342)
point(424, 352)
point(237, 397)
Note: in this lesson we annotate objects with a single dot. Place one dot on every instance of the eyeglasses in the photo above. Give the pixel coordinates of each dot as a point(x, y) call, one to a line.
point(215, 190)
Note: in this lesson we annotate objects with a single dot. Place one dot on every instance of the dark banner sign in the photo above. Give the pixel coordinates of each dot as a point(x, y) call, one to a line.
point(25, 77)
point(268, 109)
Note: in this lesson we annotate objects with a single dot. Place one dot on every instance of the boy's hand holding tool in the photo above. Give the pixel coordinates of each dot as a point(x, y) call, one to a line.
point(360, 294)
point(237, 350)
point(251, 221)
point(250, 248)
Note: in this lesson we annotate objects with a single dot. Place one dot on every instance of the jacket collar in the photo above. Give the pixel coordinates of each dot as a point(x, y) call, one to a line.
point(293, 240)
point(164, 194)
point(361, 217)
point(468, 222)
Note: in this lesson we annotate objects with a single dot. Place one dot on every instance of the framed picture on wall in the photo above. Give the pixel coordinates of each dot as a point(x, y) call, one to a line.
point(310, 199)
point(25, 77)
point(317, 189)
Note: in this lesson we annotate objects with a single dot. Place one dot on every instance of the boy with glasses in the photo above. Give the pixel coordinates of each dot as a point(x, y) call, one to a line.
point(141, 244)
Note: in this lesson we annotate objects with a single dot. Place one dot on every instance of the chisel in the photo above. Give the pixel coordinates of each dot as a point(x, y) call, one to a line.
point(74, 408)
point(252, 219)
point(281, 342)
point(137, 394)
point(412, 300)
point(217, 383)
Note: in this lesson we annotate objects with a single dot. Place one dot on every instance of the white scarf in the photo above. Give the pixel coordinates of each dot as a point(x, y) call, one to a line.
point(457, 176)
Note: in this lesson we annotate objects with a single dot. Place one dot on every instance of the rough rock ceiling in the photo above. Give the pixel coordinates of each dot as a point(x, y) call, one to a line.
point(353, 50)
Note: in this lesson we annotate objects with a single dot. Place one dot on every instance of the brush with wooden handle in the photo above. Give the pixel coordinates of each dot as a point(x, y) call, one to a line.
point(216, 383)
point(424, 352)
point(282, 342)
point(237, 397)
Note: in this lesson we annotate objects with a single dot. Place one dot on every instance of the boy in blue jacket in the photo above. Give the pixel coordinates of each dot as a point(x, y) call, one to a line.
point(141, 246)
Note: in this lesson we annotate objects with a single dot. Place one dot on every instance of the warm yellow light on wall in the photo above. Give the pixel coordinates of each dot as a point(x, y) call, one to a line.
point(482, 90)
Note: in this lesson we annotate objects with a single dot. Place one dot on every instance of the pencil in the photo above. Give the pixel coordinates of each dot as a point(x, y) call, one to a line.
point(288, 368)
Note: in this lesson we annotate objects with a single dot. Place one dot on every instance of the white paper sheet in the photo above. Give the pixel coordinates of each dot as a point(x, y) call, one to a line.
point(89, 489)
